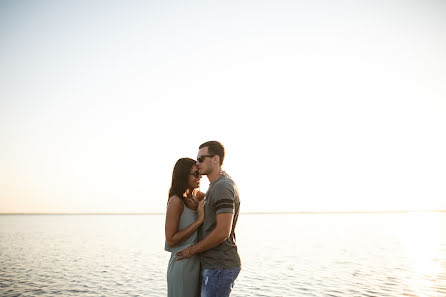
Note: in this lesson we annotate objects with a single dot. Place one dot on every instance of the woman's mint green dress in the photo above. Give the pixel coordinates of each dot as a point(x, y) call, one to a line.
point(183, 277)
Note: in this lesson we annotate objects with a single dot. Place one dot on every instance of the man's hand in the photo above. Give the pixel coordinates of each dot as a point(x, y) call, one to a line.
point(184, 254)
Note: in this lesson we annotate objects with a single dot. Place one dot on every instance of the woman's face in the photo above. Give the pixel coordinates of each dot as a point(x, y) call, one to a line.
point(194, 177)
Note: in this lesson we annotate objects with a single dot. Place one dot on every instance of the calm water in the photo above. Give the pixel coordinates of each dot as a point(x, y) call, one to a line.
point(283, 255)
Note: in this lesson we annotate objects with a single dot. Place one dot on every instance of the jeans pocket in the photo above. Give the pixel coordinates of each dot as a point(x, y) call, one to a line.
point(218, 282)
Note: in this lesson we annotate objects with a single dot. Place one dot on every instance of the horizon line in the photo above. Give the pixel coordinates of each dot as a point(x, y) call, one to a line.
point(248, 213)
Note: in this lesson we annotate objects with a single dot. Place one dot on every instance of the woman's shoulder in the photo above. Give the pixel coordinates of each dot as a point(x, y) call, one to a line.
point(175, 201)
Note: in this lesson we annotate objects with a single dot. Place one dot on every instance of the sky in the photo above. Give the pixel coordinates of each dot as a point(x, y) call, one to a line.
point(321, 105)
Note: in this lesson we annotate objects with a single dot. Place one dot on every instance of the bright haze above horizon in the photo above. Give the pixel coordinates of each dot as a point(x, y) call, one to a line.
point(321, 105)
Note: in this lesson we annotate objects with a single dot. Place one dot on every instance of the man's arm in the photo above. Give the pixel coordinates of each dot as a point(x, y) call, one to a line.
point(218, 235)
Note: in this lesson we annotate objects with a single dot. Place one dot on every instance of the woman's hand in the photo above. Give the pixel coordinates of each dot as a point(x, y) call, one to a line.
point(200, 195)
point(200, 211)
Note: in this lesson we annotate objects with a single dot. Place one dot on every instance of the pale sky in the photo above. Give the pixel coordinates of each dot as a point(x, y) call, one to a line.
point(321, 105)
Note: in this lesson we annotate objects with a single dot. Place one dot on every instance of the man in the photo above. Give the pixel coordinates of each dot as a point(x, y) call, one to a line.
point(220, 262)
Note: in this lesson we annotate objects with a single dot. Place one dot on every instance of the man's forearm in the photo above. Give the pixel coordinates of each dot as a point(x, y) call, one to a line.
point(212, 240)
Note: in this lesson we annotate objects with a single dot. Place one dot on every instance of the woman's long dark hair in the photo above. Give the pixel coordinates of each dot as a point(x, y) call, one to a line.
point(180, 177)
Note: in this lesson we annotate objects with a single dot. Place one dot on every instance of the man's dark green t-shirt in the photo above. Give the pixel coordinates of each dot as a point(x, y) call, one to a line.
point(221, 197)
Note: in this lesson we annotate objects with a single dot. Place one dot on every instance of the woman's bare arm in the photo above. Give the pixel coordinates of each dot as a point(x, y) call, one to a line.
point(175, 208)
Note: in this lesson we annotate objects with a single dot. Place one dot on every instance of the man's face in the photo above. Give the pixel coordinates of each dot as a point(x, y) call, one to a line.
point(204, 161)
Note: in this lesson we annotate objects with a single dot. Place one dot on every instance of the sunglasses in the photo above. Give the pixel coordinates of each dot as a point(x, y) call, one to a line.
point(200, 159)
point(196, 174)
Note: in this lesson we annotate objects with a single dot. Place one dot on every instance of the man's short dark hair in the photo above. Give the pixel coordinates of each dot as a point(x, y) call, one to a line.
point(215, 148)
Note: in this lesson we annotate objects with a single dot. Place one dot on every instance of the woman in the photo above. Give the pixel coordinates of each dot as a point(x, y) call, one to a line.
point(185, 213)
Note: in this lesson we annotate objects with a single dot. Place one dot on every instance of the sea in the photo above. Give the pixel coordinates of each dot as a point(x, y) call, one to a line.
point(300, 254)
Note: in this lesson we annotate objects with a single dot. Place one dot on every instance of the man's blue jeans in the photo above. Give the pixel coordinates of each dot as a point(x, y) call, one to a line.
point(218, 282)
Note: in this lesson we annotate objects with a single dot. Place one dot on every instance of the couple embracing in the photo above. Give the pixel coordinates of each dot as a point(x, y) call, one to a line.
point(200, 227)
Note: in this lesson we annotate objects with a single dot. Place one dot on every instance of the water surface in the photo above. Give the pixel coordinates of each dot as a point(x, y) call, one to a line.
point(282, 255)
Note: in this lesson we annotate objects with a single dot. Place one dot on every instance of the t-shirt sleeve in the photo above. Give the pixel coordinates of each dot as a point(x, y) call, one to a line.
point(224, 198)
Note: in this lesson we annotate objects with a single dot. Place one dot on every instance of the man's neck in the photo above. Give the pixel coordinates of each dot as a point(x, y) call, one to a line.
point(214, 175)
